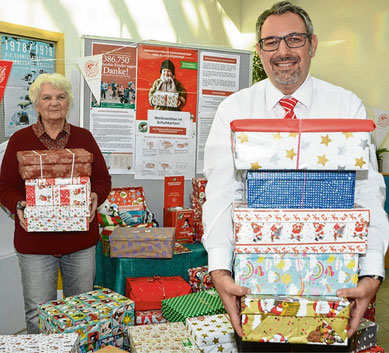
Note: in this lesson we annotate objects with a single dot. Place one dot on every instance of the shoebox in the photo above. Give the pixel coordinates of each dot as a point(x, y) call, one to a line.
point(148, 292)
point(212, 333)
point(94, 316)
point(202, 303)
point(138, 242)
point(58, 163)
point(300, 189)
point(181, 218)
point(199, 278)
point(365, 337)
point(296, 274)
point(318, 144)
point(274, 230)
point(295, 319)
point(108, 344)
point(57, 224)
point(149, 317)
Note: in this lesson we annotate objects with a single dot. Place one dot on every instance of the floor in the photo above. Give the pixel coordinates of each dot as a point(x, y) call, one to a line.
point(382, 313)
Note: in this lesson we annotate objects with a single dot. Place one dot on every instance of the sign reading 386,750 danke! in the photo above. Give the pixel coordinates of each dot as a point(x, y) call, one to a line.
point(30, 58)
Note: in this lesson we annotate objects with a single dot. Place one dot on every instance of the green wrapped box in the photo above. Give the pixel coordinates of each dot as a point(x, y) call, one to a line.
point(201, 303)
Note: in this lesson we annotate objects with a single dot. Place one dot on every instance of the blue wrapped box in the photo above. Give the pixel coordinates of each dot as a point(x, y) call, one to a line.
point(300, 189)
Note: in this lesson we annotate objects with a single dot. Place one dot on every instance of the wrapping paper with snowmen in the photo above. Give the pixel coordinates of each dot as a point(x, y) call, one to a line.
point(316, 144)
point(296, 274)
point(300, 230)
point(284, 319)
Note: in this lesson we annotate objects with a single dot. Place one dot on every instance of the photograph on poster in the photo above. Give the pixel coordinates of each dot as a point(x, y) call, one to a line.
point(118, 76)
point(30, 58)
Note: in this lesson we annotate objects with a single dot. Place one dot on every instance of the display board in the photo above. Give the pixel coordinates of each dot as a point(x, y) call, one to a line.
point(157, 105)
point(33, 51)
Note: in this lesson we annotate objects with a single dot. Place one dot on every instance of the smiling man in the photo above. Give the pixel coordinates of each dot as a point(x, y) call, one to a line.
point(286, 44)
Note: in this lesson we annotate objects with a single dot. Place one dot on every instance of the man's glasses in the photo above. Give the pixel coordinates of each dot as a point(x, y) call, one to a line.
point(292, 40)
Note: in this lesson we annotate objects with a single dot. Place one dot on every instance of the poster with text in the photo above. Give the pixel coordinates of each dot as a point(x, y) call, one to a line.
point(118, 75)
point(30, 58)
point(166, 111)
point(219, 78)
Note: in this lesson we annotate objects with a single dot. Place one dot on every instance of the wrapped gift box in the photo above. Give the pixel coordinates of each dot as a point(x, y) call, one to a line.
point(58, 163)
point(148, 292)
point(95, 315)
point(365, 337)
point(300, 230)
point(128, 198)
point(199, 278)
point(181, 218)
point(110, 349)
point(56, 211)
point(375, 349)
point(57, 224)
point(212, 333)
point(165, 99)
point(60, 343)
point(296, 274)
point(58, 192)
point(300, 319)
point(142, 242)
point(326, 144)
point(163, 338)
point(109, 344)
point(201, 303)
point(300, 189)
point(149, 317)
point(198, 186)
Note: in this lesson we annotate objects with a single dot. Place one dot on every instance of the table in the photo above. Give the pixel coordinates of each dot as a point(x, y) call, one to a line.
point(112, 272)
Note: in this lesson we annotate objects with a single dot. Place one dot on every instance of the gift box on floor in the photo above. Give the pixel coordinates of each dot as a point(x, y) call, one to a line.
point(165, 99)
point(212, 333)
point(142, 242)
point(199, 278)
point(375, 349)
point(111, 344)
point(60, 343)
point(326, 144)
point(148, 317)
point(201, 303)
point(73, 162)
point(300, 189)
point(57, 224)
point(296, 274)
point(110, 349)
point(300, 230)
point(163, 338)
point(365, 337)
point(300, 319)
point(148, 292)
point(95, 315)
point(58, 192)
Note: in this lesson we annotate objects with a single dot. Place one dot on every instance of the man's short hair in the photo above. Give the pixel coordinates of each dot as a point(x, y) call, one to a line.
point(280, 8)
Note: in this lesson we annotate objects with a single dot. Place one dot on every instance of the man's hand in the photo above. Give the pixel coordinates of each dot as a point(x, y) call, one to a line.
point(93, 207)
point(230, 294)
point(360, 297)
point(20, 214)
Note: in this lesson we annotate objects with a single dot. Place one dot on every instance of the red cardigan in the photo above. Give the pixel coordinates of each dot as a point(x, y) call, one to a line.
point(12, 190)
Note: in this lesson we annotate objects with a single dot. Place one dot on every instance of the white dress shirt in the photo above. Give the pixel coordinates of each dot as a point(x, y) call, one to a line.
point(316, 99)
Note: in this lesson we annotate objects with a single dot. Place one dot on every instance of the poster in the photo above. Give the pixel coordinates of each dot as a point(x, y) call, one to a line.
point(118, 76)
point(382, 127)
point(219, 78)
point(30, 58)
point(114, 132)
point(166, 111)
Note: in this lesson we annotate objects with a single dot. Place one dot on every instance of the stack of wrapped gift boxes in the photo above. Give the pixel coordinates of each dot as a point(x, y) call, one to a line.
point(58, 189)
point(299, 235)
point(198, 199)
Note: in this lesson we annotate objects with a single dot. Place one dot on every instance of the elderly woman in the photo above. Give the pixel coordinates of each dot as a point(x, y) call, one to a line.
point(41, 254)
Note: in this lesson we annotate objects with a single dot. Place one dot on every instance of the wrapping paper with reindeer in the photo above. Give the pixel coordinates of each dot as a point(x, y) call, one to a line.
point(300, 230)
point(299, 319)
point(326, 144)
point(296, 274)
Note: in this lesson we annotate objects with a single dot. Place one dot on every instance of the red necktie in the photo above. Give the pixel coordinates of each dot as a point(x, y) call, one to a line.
point(288, 104)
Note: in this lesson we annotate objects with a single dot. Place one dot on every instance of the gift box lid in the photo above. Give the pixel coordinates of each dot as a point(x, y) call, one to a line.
point(142, 234)
point(296, 306)
point(57, 156)
point(127, 198)
point(302, 125)
point(211, 330)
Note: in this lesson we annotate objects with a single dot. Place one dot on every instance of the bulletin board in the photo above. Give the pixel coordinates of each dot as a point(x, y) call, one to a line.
point(33, 51)
point(187, 62)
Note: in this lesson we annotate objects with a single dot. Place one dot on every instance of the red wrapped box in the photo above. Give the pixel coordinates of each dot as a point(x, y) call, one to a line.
point(148, 317)
point(128, 198)
point(376, 349)
point(199, 278)
point(62, 163)
point(148, 292)
point(198, 185)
